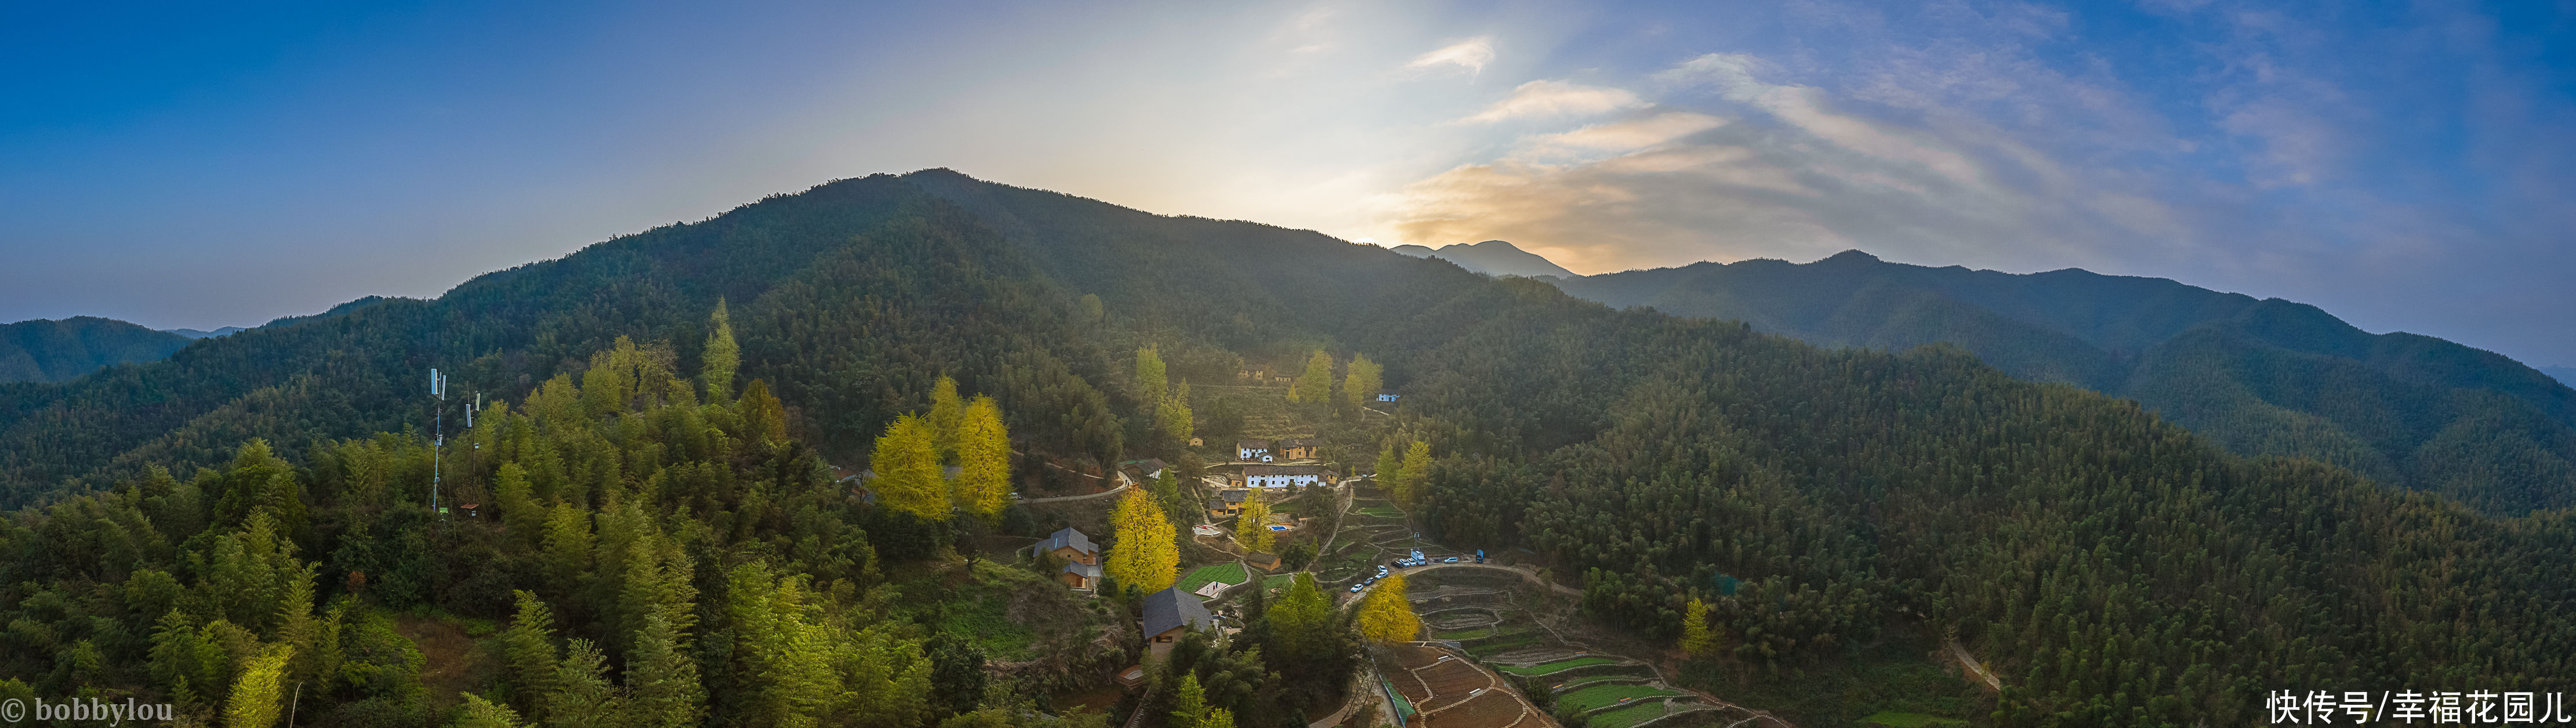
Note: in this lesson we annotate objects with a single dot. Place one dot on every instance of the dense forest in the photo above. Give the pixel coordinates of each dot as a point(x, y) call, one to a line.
point(54, 351)
point(2261, 377)
point(2114, 567)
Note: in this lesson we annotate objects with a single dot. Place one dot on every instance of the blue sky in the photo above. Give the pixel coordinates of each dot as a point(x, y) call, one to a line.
point(2405, 166)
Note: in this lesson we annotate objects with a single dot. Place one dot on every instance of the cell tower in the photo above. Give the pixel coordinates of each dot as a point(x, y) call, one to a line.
point(438, 429)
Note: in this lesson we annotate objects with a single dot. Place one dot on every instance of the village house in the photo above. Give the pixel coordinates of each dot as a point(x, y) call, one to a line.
point(1146, 469)
point(1169, 614)
point(1265, 562)
point(1227, 503)
point(1282, 476)
point(1385, 396)
point(1300, 448)
point(1082, 558)
point(1252, 450)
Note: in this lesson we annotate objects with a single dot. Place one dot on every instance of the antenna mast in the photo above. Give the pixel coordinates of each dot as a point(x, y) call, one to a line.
point(438, 420)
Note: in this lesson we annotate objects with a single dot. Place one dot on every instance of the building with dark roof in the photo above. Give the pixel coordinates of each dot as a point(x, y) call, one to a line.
point(1080, 575)
point(1069, 544)
point(1169, 614)
point(1252, 450)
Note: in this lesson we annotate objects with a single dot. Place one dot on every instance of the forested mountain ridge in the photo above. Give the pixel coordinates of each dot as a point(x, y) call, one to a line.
point(1492, 257)
point(2115, 568)
point(2262, 376)
point(44, 350)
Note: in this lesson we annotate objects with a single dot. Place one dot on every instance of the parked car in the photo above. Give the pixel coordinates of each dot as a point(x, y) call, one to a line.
point(1355, 588)
point(1450, 560)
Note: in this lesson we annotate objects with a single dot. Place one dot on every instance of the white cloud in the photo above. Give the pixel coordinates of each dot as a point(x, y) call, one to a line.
point(1623, 136)
point(1541, 99)
point(1471, 54)
point(1804, 107)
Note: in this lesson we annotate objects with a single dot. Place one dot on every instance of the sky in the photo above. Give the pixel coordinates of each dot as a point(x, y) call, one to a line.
point(2404, 166)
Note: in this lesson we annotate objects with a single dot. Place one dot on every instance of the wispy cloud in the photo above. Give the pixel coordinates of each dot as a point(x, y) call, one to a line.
point(1471, 54)
point(1552, 99)
point(1623, 136)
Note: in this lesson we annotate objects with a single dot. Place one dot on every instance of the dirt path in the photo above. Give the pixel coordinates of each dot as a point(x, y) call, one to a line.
point(1970, 661)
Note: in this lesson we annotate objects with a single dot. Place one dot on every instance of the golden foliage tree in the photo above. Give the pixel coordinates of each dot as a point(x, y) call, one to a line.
point(1316, 385)
point(257, 691)
point(983, 484)
point(1697, 641)
point(1146, 555)
point(907, 466)
point(1253, 528)
point(1361, 380)
point(1386, 615)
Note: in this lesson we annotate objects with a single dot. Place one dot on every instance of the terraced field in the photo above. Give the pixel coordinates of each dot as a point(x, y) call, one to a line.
point(1628, 716)
point(1603, 696)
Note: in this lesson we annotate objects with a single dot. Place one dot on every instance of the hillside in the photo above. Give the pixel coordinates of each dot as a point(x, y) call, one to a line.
point(45, 350)
point(2114, 567)
point(2262, 377)
point(1492, 257)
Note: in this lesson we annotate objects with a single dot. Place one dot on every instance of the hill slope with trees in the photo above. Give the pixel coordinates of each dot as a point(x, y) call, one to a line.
point(44, 350)
point(2262, 377)
point(2113, 567)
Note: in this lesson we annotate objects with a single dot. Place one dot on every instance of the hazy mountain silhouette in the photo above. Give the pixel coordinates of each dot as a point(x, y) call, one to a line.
point(1492, 257)
point(45, 350)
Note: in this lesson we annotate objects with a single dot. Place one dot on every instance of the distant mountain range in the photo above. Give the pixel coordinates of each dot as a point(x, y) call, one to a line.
point(2262, 376)
point(44, 350)
point(2565, 375)
point(203, 334)
point(1492, 257)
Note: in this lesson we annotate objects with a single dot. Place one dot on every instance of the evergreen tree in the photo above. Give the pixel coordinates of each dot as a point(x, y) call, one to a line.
point(480, 713)
point(528, 654)
point(662, 682)
point(721, 357)
point(259, 690)
point(582, 696)
point(1189, 701)
point(1386, 616)
point(1218, 718)
point(1173, 415)
point(1167, 491)
point(1316, 385)
point(1361, 380)
point(983, 485)
point(947, 416)
point(1416, 468)
point(1300, 621)
point(1389, 467)
point(1092, 313)
point(1146, 556)
point(908, 477)
point(764, 419)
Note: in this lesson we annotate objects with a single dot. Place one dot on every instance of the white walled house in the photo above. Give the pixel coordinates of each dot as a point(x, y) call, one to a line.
point(1282, 476)
point(1252, 451)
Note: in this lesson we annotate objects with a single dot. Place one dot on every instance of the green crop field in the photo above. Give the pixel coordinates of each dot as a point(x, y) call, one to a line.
point(1603, 696)
point(1228, 573)
point(1911, 720)
point(1628, 716)
point(1555, 667)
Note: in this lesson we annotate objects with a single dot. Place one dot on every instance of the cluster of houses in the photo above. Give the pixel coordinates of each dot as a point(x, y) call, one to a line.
point(1263, 451)
point(1169, 613)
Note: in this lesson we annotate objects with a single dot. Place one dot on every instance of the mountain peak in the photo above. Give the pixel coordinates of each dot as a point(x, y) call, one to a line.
point(1851, 256)
point(1491, 257)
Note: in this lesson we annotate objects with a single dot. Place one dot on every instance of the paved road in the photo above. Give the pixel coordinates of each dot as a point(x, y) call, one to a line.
point(1101, 494)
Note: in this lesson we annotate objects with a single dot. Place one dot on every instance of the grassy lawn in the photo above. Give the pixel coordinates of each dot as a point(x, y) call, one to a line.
point(1604, 696)
point(1279, 581)
point(1911, 720)
point(1581, 679)
point(1381, 512)
point(1228, 573)
point(1554, 667)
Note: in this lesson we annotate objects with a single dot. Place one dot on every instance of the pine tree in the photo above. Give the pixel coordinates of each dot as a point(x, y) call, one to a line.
point(1298, 622)
point(1361, 380)
point(582, 697)
point(947, 414)
point(1696, 639)
point(1252, 529)
point(908, 478)
point(1316, 386)
point(528, 654)
point(1167, 491)
point(722, 357)
point(1189, 701)
point(480, 713)
point(1146, 556)
point(983, 485)
point(259, 689)
point(1150, 380)
point(1386, 615)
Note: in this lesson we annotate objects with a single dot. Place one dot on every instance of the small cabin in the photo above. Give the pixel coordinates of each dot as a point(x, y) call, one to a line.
point(1069, 545)
point(1300, 448)
point(1170, 614)
point(1265, 562)
point(1079, 575)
